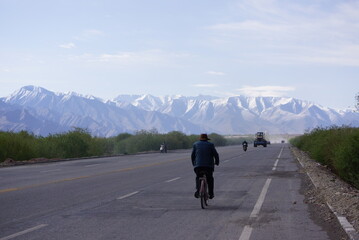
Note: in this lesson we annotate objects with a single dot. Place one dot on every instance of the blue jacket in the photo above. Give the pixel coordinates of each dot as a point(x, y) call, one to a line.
point(204, 154)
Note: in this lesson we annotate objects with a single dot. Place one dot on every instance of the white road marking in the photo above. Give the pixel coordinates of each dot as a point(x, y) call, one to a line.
point(24, 232)
point(174, 179)
point(275, 165)
point(92, 165)
point(280, 152)
point(125, 196)
point(54, 170)
point(246, 233)
point(276, 162)
point(247, 230)
point(260, 200)
point(225, 161)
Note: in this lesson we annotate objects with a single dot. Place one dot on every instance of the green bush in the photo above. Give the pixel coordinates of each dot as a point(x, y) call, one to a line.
point(346, 158)
point(217, 139)
point(177, 140)
point(336, 147)
point(17, 146)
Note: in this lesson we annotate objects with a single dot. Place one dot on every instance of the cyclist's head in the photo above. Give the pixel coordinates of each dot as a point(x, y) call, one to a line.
point(204, 137)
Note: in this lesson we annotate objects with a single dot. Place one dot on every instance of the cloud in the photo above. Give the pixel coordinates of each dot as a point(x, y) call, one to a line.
point(268, 91)
point(67, 45)
point(89, 34)
point(282, 31)
point(249, 25)
point(5, 69)
point(215, 73)
point(208, 85)
point(152, 57)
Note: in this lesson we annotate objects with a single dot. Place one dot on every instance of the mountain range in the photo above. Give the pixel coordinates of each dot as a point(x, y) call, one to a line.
point(44, 112)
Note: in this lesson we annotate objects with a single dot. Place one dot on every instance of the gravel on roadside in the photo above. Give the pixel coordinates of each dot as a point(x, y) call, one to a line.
point(330, 189)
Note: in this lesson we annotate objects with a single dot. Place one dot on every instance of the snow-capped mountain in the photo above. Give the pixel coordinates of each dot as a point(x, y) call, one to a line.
point(242, 114)
point(42, 112)
point(69, 110)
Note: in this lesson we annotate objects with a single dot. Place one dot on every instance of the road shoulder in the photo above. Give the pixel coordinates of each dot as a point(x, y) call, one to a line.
point(330, 190)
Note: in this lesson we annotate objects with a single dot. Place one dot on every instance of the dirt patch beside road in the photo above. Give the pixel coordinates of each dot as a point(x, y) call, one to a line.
point(329, 188)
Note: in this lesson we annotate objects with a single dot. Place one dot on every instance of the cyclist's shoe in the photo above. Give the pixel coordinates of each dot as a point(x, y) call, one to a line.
point(196, 194)
point(211, 196)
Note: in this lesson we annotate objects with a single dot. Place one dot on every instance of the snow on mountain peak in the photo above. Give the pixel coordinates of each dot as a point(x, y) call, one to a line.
point(128, 113)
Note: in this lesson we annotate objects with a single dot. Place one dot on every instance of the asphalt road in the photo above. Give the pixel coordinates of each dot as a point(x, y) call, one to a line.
point(259, 194)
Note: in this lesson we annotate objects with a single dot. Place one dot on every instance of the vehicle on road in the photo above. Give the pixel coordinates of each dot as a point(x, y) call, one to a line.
point(163, 148)
point(260, 140)
point(245, 145)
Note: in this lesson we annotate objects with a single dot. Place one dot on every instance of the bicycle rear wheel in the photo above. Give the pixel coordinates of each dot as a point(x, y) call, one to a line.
point(203, 195)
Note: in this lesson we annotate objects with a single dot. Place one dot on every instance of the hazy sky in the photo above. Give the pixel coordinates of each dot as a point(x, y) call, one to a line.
point(306, 49)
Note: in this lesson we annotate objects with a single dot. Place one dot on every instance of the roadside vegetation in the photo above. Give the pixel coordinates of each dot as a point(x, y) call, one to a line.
point(335, 147)
point(79, 143)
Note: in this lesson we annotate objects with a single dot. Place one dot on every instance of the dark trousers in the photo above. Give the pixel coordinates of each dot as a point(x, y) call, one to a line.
point(209, 175)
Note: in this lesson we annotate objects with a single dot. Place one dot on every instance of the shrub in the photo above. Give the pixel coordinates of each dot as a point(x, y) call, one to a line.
point(75, 143)
point(18, 146)
point(217, 139)
point(336, 147)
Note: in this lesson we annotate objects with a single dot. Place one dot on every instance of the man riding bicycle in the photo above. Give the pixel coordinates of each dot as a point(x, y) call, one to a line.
point(204, 156)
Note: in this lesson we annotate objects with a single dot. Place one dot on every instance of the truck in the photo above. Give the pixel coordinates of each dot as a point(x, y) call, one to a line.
point(260, 140)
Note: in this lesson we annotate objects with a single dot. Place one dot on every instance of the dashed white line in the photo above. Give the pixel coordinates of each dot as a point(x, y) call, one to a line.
point(23, 232)
point(125, 196)
point(247, 230)
point(280, 152)
point(174, 179)
point(246, 233)
point(276, 162)
point(260, 200)
point(92, 165)
point(275, 165)
point(53, 170)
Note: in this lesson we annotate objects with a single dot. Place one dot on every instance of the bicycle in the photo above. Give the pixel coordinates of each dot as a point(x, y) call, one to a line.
point(203, 191)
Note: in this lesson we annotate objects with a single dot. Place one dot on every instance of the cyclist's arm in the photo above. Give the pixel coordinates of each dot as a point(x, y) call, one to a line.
point(216, 156)
point(193, 155)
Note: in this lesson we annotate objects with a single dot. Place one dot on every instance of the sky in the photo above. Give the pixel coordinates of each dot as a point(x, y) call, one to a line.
point(306, 49)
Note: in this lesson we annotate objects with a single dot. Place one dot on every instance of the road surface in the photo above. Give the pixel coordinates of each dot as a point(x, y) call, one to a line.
point(259, 194)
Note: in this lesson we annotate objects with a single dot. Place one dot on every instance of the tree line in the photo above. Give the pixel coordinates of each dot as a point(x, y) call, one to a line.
point(79, 143)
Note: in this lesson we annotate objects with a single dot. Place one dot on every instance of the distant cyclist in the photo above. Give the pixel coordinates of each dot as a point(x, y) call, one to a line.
point(204, 156)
